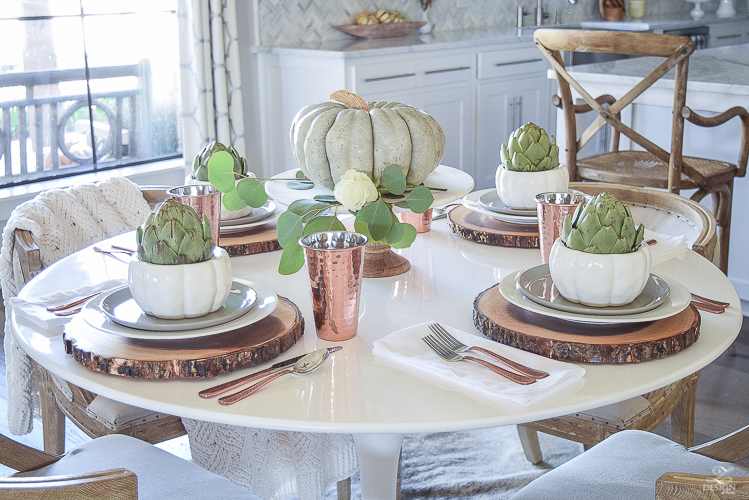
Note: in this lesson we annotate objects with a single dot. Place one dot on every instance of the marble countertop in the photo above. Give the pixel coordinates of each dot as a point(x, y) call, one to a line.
point(723, 70)
point(360, 47)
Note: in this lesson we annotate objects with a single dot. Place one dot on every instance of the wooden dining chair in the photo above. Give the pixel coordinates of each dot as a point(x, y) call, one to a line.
point(663, 213)
point(93, 414)
point(654, 166)
point(636, 465)
point(112, 468)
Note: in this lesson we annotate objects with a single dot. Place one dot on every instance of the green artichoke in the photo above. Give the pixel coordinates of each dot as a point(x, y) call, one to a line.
point(530, 150)
point(602, 225)
point(200, 165)
point(174, 234)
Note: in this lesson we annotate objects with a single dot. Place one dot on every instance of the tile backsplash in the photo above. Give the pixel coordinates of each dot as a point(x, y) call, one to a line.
point(290, 22)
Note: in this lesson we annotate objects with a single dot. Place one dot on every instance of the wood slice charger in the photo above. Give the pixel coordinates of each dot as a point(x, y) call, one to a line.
point(554, 338)
point(257, 239)
point(188, 358)
point(490, 231)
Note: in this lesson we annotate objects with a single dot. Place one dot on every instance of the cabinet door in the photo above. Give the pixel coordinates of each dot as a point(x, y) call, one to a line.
point(503, 107)
point(454, 111)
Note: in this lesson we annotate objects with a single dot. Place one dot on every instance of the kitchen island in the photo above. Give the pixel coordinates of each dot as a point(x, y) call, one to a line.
point(718, 80)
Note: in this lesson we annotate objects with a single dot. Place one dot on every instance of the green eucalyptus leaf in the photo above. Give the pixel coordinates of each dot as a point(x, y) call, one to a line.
point(402, 204)
point(299, 174)
point(420, 199)
point(401, 235)
point(306, 209)
point(324, 223)
point(231, 201)
point(292, 259)
point(393, 180)
point(300, 185)
point(252, 192)
point(221, 171)
point(289, 227)
point(328, 198)
point(378, 217)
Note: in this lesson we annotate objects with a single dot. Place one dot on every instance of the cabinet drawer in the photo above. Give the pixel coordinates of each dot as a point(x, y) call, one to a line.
point(443, 70)
point(510, 62)
point(726, 34)
point(384, 77)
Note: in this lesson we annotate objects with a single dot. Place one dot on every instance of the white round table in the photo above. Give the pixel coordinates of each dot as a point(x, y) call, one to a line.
point(352, 393)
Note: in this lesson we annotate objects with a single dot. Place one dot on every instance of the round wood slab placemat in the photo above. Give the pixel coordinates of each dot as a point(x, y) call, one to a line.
point(188, 358)
point(258, 239)
point(554, 338)
point(490, 231)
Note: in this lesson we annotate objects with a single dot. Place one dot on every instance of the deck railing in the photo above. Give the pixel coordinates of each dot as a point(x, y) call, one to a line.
point(126, 113)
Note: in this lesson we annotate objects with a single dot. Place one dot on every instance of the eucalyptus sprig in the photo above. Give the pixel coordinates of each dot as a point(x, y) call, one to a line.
point(237, 195)
point(375, 220)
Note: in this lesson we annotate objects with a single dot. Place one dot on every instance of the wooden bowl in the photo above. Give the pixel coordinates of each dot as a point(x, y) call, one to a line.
point(390, 30)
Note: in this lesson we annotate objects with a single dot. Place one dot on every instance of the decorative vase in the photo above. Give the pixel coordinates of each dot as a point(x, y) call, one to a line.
point(599, 280)
point(725, 9)
point(381, 262)
point(428, 27)
point(181, 290)
point(518, 190)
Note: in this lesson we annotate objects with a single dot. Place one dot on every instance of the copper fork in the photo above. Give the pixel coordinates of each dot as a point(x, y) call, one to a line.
point(457, 346)
point(448, 355)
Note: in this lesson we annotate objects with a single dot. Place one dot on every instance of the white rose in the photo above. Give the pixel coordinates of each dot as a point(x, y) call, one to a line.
point(354, 190)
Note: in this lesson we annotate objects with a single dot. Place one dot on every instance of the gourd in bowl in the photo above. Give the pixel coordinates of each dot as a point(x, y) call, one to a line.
point(200, 172)
point(600, 259)
point(330, 138)
point(530, 165)
point(178, 272)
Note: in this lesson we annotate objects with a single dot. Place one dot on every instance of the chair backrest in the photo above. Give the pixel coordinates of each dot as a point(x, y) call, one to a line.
point(674, 52)
point(111, 484)
point(664, 213)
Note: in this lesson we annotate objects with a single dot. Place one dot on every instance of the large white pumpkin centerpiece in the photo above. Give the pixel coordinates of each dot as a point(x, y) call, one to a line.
point(529, 166)
point(329, 138)
point(179, 272)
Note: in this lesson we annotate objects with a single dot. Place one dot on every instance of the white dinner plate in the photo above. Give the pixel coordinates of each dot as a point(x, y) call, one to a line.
point(490, 200)
point(471, 202)
point(677, 300)
point(536, 284)
point(257, 214)
point(265, 304)
point(240, 228)
point(120, 306)
point(455, 182)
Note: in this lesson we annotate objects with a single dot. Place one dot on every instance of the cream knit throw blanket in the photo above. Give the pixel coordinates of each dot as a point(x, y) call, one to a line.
point(271, 464)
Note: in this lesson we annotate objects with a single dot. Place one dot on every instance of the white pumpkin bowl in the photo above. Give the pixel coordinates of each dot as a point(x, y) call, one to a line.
point(518, 190)
point(225, 214)
point(596, 279)
point(182, 290)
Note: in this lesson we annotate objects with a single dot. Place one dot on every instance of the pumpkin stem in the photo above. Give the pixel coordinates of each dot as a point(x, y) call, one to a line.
point(349, 99)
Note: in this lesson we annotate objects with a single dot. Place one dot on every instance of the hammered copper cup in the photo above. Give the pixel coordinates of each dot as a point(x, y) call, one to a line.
point(206, 200)
point(551, 209)
point(422, 222)
point(335, 263)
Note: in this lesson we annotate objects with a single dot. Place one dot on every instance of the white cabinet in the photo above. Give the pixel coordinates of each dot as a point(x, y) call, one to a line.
point(730, 33)
point(512, 90)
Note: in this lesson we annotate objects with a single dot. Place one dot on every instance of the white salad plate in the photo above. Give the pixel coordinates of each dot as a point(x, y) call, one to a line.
point(678, 299)
point(125, 318)
point(471, 202)
point(491, 201)
point(257, 214)
point(537, 285)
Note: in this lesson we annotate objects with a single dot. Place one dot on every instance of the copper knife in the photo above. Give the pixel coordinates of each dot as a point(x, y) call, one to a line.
point(232, 384)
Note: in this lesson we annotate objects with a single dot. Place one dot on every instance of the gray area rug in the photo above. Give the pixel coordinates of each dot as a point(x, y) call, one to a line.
point(481, 464)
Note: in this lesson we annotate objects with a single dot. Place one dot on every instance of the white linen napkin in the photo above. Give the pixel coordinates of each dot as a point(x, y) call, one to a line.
point(35, 310)
point(405, 350)
point(667, 247)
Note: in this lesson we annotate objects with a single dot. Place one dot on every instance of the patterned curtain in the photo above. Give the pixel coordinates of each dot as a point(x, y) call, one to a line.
point(210, 76)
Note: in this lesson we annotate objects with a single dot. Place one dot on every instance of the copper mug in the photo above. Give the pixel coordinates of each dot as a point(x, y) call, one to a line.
point(335, 263)
point(206, 200)
point(422, 222)
point(551, 209)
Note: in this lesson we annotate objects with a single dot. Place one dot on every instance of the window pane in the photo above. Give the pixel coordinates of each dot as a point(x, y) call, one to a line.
point(14, 9)
point(145, 101)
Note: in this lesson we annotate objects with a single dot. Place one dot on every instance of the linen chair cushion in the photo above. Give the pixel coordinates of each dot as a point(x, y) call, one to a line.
point(160, 474)
point(624, 466)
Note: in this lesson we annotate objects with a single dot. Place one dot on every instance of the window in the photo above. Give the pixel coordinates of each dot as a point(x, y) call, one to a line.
point(87, 85)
